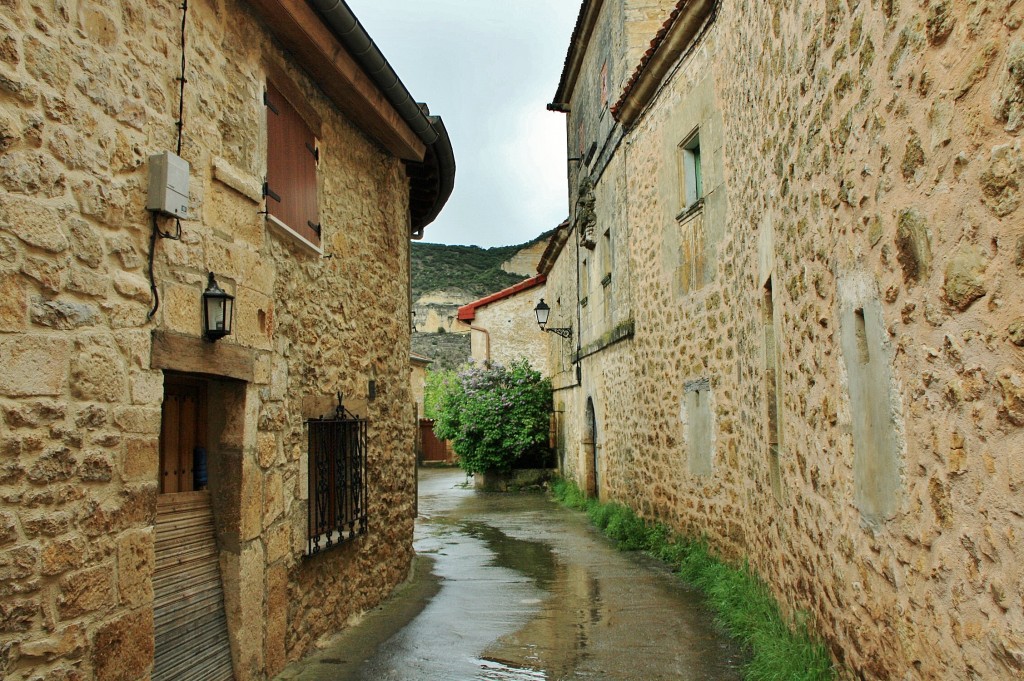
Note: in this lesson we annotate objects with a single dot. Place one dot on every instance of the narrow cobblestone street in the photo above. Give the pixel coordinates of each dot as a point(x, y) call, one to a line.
point(515, 587)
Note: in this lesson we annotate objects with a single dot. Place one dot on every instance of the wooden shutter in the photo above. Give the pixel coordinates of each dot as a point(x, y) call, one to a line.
point(291, 168)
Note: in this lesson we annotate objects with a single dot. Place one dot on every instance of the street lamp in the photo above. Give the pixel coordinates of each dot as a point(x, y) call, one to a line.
point(218, 309)
point(542, 311)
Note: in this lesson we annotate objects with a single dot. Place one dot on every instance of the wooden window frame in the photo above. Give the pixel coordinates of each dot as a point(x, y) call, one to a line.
point(691, 176)
point(291, 189)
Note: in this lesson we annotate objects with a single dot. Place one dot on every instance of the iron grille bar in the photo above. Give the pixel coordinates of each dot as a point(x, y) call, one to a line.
point(337, 480)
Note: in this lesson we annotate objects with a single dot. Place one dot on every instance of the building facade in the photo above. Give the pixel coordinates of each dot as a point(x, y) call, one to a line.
point(418, 367)
point(503, 325)
point(166, 507)
point(795, 253)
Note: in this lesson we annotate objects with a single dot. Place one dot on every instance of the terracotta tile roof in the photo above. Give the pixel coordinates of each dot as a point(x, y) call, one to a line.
point(467, 313)
point(656, 42)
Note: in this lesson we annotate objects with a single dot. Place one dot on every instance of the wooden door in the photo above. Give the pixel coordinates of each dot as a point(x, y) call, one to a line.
point(182, 430)
point(593, 480)
point(188, 596)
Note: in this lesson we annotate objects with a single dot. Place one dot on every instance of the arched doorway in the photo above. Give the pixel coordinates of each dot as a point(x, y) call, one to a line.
point(593, 482)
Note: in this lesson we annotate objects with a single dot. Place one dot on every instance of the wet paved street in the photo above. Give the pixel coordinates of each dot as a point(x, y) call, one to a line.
point(515, 587)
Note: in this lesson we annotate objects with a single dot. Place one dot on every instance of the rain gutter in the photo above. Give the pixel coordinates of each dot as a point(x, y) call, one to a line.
point(586, 21)
point(431, 180)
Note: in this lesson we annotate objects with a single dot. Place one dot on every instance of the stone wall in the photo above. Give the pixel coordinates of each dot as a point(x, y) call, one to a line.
point(864, 276)
point(418, 382)
point(87, 92)
point(448, 350)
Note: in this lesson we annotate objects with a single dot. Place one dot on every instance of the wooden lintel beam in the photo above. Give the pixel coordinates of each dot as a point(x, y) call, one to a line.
point(188, 354)
point(316, 50)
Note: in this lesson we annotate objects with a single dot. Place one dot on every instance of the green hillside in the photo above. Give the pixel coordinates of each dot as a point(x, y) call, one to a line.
point(471, 269)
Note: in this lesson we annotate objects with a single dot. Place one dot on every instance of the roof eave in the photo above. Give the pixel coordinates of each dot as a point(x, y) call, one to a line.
point(585, 23)
point(326, 39)
point(554, 248)
point(467, 312)
point(683, 27)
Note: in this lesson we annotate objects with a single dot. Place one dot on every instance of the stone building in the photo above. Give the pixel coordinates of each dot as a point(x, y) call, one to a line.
point(418, 366)
point(309, 169)
point(503, 326)
point(795, 262)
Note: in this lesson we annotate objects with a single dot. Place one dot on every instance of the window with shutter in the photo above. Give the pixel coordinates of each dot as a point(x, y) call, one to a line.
point(292, 156)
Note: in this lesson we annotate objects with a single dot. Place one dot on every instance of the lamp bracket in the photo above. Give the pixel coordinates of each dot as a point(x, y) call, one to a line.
point(563, 332)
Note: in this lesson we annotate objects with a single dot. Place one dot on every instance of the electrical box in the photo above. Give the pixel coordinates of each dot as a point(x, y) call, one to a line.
point(168, 185)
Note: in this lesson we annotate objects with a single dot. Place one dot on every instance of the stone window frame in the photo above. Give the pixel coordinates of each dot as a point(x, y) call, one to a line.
point(285, 104)
point(691, 176)
point(604, 85)
point(607, 258)
point(585, 267)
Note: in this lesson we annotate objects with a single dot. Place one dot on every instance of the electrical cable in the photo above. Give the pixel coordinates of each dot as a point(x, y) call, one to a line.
point(180, 124)
point(181, 91)
point(152, 280)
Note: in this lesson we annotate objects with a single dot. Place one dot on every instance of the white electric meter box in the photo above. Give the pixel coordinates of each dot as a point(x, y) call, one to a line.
point(168, 185)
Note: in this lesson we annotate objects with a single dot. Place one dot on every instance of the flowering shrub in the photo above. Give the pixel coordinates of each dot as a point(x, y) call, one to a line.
point(495, 416)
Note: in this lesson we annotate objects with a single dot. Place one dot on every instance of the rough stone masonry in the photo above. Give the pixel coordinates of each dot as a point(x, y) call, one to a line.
point(88, 90)
point(843, 308)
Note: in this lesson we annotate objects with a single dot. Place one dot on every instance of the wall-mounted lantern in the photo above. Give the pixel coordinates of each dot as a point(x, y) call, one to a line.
point(543, 310)
point(218, 308)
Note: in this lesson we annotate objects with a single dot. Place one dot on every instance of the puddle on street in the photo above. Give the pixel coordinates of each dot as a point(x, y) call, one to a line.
point(530, 591)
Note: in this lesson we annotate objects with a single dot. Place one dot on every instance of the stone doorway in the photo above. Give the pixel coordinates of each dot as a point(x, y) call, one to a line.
point(190, 621)
point(590, 452)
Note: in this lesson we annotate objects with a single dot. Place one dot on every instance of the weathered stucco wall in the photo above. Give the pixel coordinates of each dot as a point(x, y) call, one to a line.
point(506, 330)
point(864, 277)
point(87, 92)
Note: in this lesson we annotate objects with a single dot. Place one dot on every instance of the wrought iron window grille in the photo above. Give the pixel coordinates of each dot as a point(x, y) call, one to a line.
point(337, 479)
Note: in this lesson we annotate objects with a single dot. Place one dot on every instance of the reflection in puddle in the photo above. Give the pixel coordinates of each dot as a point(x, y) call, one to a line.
point(604, 616)
point(526, 591)
point(505, 671)
point(533, 559)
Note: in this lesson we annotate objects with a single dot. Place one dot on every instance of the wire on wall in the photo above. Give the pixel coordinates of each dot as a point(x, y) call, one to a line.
point(181, 107)
point(152, 280)
point(182, 80)
point(180, 124)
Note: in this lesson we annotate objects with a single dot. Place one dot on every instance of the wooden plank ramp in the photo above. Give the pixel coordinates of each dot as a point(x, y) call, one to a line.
point(191, 627)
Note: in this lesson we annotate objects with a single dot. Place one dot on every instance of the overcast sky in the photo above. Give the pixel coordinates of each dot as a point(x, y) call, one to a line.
point(488, 68)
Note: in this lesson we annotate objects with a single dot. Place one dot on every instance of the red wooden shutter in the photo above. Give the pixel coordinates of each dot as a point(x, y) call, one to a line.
point(291, 168)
